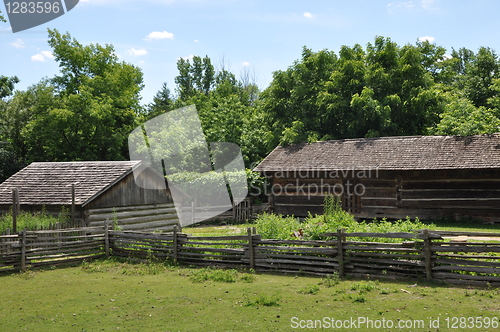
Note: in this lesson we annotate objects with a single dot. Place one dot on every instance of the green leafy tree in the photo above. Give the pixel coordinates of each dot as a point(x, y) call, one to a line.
point(382, 90)
point(7, 85)
point(162, 102)
point(479, 76)
point(462, 117)
point(85, 113)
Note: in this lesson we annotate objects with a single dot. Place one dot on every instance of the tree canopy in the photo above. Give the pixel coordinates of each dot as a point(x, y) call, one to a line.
point(87, 110)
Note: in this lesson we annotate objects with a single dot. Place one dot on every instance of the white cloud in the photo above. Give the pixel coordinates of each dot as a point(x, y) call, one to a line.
point(157, 35)
point(37, 57)
point(308, 15)
point(427, 38)
point(19, 43)
point(399, 5)
point(139, 52)
point(428, 4)
point(47, 54)
point(245, 64)
point(424, 4)
point(42, 56)
point(196, 41)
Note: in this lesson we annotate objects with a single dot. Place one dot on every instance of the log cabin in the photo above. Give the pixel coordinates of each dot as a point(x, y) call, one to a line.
point(428, 177)
point(103, 190)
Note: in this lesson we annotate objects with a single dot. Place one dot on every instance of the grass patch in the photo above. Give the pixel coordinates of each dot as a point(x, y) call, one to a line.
point(111, 294)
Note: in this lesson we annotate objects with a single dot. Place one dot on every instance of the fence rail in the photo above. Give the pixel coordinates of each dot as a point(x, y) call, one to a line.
point(455, 257)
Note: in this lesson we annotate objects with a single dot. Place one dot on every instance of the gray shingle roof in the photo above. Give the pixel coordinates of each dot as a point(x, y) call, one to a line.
point(46, 183)
point(388, 153)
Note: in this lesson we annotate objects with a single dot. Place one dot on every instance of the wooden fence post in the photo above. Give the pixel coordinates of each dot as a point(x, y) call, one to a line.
point(192, 212)
point(15, 208)
point(340, 249)
point(175, 246)
point(251, 252)
point(427, 254)
point(73, 205)
point(23, 250)
point(106, 238)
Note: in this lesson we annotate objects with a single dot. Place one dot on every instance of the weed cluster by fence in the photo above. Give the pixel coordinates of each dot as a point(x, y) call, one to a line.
point(434, 255)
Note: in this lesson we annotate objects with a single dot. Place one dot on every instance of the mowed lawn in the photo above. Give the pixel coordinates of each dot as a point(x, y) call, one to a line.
point(114, 296)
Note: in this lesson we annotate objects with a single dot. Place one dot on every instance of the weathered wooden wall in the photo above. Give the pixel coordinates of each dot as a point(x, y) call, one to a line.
point(394, 194)
point(151, 217)
point(126, 192)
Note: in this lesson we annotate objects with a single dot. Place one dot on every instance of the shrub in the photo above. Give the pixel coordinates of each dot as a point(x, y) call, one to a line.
point(272, 226)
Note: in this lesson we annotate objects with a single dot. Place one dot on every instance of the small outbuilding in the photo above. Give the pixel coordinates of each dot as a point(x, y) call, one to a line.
point(417, 176)
point(96, 191)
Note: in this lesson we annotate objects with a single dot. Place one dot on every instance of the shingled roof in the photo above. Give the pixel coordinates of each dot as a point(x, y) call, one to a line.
point(46, 183)
point(388, 153)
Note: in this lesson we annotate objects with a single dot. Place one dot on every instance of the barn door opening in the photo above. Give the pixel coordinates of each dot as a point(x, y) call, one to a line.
point(351, 197)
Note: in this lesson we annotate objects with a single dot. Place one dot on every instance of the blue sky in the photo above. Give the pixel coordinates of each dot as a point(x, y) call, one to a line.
point(258, 37)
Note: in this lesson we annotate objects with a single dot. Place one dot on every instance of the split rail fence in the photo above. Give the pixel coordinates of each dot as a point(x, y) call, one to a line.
point(454, 257)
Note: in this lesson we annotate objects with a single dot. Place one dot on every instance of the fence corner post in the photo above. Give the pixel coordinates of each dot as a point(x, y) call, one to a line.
point(175, 246)
point(106, 238)
point(340, 250)
point(251, 252)
point(427, 254)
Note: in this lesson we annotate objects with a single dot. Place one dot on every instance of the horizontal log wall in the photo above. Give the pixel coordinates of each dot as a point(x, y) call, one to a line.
point(155, 217)
point(434, 255)
point(426, 194)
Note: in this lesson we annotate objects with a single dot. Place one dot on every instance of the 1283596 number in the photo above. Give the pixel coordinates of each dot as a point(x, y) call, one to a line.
point(462, 323)
point(32, 7)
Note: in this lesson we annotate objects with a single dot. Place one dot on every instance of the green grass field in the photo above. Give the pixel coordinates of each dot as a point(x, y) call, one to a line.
point(110, 295)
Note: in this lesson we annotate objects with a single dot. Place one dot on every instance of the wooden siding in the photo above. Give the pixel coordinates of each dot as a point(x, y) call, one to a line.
point(127, 193)
point(394, 194)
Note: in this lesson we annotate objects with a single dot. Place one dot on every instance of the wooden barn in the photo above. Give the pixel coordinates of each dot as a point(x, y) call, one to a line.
point(96, 191)
point(418, 176)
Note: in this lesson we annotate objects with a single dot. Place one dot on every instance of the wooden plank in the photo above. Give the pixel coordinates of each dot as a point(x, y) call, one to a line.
point(397, 235)
point(449, 275)
point(131, 208)
point(468, 256)
point(452, 203)
point(475, 234)
point(296, 242)
point(311, 258)
point(451, 194)
point(318, 251)
point(489, 270)
point(385, 261)
point(462, 248)
point(453, 184)
point(218, 238)
point(455, 261)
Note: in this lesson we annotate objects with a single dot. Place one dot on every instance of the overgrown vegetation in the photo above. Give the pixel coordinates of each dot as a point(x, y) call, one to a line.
point(33, 221)
point(272, 226)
